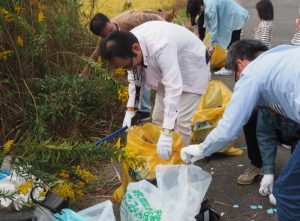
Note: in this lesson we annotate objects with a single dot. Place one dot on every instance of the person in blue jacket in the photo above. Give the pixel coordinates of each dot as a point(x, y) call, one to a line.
point(269, 79)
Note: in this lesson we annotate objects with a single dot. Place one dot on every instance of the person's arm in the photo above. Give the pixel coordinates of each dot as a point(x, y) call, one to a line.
point(211, 17)
point(167, 61)
point(95, 55)
point(244, 98)
point(131, 91)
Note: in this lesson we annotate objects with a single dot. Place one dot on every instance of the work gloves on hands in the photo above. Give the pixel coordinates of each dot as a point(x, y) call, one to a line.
point(128, 118)
point(192, 153)
point(266, 185)
point(164, 145)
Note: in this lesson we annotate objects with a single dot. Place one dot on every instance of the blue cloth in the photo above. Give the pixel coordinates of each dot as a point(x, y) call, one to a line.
point(222, 18)
point(4, 173)
point(68, 215)
point(271, 130)
point(287, 189)
point(272, 78)
point(145, 105)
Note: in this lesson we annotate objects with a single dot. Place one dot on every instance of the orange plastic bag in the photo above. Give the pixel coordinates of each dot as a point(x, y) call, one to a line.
point(218, 57)
point(141, 142)
point(209, 111)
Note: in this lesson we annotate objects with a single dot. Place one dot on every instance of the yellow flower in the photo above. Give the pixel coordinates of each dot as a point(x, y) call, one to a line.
point(118, 144)
point(7, 146)
point(41, 17)
point(123, 95)
point(65, 190)
point(85, 175)
point(80, 184)
point(7, 16)
point(99, 61)
point(18, 8)
point(64, 174)
point(20, 41)
point(5, 54)
point(42, 193)
point(120, 72)
point(25, 187)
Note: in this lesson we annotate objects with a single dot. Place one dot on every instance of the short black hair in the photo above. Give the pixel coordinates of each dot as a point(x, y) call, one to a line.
point(98, 23)
point(121, 45)
point(244, 49)
point(265, 10)
point(192, 8)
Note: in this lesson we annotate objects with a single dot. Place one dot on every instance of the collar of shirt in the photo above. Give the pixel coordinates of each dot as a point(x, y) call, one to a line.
point(145, 54)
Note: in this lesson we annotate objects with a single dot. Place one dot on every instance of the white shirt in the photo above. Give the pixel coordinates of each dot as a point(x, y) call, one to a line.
point(273, 79)
point(175, 58)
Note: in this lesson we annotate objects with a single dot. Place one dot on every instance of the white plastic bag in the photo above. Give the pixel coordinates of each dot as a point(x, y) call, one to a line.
point(99, 212)
point(182, 189)
point(141, 202)
point(180, 192)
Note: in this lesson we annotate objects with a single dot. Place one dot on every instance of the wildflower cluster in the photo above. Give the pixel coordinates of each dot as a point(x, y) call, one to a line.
point(65, 190)
point(7, 146)
point(120, 72)
point(25, 187)
point(5, 54)
point(6, 15)
point(123, 95)
point(41, 14)
point(85, 175)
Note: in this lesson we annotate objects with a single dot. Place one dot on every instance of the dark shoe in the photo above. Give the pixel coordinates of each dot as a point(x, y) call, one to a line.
point(143, 116)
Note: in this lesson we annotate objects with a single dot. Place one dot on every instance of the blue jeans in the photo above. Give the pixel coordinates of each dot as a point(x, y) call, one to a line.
point(287, 189)
point(145, 105)
point(271, 130)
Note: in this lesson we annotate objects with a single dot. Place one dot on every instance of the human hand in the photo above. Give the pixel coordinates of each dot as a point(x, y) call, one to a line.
point(164, 146)
point(128, 118)
point(266, 185)
point(192, 153)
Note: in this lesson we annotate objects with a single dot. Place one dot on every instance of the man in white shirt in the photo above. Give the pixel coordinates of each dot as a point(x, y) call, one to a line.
point(171, 60)
point(270, 79)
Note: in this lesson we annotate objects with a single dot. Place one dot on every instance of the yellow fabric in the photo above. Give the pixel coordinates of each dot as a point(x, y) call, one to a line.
point(218, 57)
point(209, 111)
point(141, 141)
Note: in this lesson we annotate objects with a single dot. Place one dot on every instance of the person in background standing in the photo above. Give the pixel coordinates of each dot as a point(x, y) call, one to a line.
point(264, 30)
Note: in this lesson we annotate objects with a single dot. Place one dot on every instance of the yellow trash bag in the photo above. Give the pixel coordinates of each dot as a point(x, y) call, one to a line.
point(218, 57)
point(141, 142)
point(209, 111)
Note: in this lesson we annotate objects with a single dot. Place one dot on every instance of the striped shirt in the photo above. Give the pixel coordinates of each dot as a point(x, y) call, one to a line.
point(264, 32)
point(296, 38)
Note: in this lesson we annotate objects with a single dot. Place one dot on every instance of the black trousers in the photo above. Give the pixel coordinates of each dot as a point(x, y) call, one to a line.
point(200, 24)
point(251, 141)
point(235, 36)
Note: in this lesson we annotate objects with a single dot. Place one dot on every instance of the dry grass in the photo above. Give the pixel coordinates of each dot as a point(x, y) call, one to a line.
point(114, 7)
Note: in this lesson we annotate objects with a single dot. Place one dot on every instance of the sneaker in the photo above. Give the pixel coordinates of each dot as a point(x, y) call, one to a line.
point(223, 71)
point(248, 176)
point(143, 116)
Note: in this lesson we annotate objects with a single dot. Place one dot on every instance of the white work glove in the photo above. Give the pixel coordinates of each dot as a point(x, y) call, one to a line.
point(164, 146)
point(128, 118)
point(192, 153)
point(272, 199)
point(266, 185)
